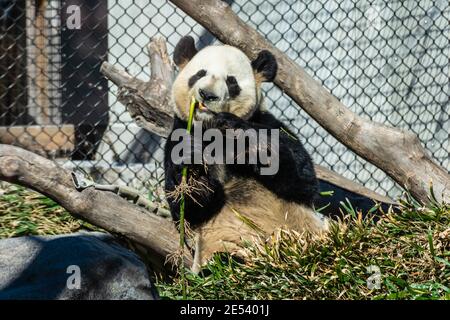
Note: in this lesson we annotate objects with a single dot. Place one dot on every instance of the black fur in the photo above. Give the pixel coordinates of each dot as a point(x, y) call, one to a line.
point(207, 203)
point(184, 51)
point(233, 87)
point(266, 65)
point(192, 80)
point(295, 180)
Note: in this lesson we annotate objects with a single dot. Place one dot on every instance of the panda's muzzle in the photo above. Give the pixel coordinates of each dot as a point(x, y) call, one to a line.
point(207, 96)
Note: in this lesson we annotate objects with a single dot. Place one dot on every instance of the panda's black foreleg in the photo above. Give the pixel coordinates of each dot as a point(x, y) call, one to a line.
point(204, 195)
point(203, 198)
point(294, 179)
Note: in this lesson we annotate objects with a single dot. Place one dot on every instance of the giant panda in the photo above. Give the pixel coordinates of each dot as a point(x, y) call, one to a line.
point(228, 86)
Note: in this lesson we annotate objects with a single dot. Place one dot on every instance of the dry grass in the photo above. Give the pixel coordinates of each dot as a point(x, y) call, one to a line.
point(24, 212)
point(411, 250)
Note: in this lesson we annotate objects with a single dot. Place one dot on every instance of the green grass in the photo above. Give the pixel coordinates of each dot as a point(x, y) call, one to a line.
point(411, 250)
point(24, 212)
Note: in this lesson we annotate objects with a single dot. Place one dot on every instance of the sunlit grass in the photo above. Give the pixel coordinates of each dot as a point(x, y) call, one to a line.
point(410, 248)
point(24, 212)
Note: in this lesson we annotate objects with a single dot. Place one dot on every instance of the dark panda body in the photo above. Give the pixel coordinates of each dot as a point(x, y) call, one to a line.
point(232, 203)
point(295, 180)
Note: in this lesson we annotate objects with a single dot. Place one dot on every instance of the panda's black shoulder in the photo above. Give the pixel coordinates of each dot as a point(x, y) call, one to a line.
point(267, 119)
point(296, 160)
point(177, 124)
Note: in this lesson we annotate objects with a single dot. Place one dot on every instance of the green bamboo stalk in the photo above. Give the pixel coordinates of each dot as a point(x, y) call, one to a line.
point(184, 174)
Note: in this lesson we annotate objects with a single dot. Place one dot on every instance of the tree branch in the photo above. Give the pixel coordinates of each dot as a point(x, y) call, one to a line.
point(396, 152)
point(147, 102)
point(103, 209)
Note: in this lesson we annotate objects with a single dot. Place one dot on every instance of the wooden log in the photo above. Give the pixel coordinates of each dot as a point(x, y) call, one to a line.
point(41, 42)
point(103, 209)
point(338, 180)
point(397, 152)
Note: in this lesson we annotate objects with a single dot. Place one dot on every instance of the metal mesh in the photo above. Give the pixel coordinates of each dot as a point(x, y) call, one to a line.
point(386, 60)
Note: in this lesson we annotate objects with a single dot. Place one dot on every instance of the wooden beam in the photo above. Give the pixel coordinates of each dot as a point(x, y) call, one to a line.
point(41, 43)
point(338, 180)
point(40, 139)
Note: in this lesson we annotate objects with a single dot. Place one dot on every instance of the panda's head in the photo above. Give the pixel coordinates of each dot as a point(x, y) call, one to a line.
point(221, 77)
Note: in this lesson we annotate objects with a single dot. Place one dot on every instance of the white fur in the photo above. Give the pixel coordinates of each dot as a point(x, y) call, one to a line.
point(222, 61)
point(219, 62)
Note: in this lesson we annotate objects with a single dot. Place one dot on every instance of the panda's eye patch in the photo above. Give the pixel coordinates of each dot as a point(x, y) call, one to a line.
point(196, 77)
point(233, 87)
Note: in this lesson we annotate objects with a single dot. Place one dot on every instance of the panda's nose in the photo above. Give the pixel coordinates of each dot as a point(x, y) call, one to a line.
point(207, 95)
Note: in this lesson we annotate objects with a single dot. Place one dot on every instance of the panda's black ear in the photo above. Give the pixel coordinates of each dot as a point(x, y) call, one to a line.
point(184, 51)
point(265, 67)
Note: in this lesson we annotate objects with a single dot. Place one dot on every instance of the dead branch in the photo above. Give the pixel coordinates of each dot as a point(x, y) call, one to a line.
point(149, 105)
point(147, 102)
point(397, 152)
point(103, 209)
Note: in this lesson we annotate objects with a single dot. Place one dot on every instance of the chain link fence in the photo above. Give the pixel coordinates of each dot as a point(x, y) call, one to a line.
point(386, 60)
